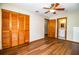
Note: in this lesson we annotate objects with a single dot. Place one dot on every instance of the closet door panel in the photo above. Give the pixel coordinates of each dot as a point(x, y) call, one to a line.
point(14, 38)
point(26, 29)
point(21, 22)
point(5, 20)
point(14, 21)
point(26, 36)
point(21, 29)
point(21, 37)
point(26, 22)
point(6, 38)
point(27, 19)
point(5, 24)
point(14, 28)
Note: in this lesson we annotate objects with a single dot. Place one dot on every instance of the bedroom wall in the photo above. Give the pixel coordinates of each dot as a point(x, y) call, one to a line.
point(72, 21)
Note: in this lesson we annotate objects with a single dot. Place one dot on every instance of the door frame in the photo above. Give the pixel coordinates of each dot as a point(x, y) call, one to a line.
point(58, 27)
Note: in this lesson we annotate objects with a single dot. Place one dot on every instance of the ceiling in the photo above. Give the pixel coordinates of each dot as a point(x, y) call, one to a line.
point(69, 7)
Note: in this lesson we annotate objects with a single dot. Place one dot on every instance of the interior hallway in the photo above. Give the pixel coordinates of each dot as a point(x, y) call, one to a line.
point(46, 46)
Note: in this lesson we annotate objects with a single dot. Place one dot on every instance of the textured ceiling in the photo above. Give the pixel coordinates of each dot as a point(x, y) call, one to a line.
point(69, 7)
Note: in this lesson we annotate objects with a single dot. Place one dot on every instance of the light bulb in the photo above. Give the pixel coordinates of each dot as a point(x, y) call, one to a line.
point(52, 10)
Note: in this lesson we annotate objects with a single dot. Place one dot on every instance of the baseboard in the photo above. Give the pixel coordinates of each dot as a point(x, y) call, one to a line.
point(36, 40)
point(70, 41)
point(73, 42)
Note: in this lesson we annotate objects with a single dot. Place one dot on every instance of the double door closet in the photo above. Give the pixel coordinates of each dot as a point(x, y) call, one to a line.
point(15, 29)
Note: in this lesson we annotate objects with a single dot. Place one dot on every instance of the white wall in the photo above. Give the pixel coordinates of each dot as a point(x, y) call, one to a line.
point(0, 31)
point(76, 34)
point(72, 21)
point(36, 21)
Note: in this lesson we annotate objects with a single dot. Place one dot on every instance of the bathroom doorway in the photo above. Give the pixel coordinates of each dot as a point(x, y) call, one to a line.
point(62, 28)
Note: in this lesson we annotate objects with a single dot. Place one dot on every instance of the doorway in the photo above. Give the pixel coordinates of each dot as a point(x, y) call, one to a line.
point(62, 28)
point(46, 27)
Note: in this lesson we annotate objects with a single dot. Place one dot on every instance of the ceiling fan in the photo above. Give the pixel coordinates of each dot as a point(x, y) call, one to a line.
point(53, 8)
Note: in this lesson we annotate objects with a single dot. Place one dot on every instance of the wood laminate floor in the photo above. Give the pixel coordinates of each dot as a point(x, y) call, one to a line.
point(46, 46)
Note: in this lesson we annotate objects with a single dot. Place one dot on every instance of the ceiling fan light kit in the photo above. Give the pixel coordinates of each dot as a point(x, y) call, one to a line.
point(53, 8)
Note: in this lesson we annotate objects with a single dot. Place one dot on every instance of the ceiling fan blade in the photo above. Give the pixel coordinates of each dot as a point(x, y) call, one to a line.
point(47, 12)
point(45, 8)
point(59, 8)
point(56, 5)
point(52, 5)
point(54, 12)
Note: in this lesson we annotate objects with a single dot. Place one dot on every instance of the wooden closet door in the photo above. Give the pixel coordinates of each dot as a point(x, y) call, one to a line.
point(14, 28)
point(6, 37)
point(26, 24)
point(21, 28)
point(51, 28)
